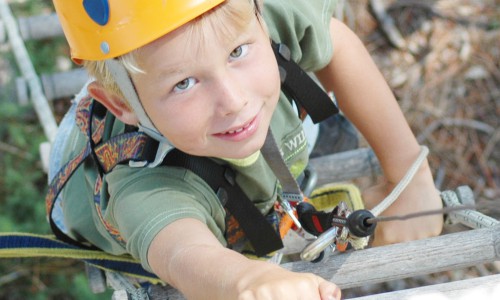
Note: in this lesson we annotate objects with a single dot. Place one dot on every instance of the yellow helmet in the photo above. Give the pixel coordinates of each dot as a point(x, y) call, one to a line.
point(102, 29)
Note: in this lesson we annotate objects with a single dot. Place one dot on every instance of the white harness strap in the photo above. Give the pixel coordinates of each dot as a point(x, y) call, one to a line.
point(126, 86)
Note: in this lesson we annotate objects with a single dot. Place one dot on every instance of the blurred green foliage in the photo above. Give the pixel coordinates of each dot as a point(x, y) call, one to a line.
point(23, 182)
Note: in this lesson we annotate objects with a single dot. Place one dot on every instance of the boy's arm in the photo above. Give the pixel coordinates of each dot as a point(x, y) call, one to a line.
point(187, 255)
point(366, 99)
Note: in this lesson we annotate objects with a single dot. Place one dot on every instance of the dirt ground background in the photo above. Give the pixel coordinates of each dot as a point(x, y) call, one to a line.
point(442, 60)
point(446, 76)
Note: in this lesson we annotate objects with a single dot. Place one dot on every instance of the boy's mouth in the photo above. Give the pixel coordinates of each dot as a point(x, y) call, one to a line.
point(239, 129)
point(241, 132)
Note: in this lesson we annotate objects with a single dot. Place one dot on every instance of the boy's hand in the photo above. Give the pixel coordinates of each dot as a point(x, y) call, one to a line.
point(419, 195)
point(269, 281)
point(187, 255)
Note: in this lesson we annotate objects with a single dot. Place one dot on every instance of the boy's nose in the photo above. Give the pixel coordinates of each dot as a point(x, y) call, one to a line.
point(230, 97)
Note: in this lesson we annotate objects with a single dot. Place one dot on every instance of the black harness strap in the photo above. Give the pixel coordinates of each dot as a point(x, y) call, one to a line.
point(300, 87)
point(221, 179)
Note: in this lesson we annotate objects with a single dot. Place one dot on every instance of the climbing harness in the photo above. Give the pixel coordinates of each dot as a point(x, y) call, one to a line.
point(137, 146)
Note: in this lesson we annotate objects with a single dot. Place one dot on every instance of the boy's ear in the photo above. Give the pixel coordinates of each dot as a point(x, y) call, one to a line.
point(114, 103)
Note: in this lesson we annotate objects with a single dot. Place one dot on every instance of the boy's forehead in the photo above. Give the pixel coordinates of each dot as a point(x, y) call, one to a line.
point(201, 33)
point(186, 50)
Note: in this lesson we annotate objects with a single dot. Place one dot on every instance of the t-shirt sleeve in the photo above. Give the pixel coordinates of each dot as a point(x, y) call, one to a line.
point(144, 205)
point(303, 25)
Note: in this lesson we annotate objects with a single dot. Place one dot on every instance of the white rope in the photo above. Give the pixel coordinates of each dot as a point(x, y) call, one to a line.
point(360, 243)
point(396, 192)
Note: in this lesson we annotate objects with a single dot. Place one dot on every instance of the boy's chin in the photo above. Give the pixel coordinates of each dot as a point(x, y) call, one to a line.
point(242, 152)
point(243, 160)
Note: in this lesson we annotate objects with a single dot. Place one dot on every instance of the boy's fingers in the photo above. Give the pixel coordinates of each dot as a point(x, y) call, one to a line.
point(329, 291)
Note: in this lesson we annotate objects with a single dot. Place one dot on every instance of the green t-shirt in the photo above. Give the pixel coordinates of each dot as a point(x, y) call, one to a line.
point(142, 201)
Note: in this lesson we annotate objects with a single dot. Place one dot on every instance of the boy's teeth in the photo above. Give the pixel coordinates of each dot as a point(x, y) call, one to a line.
point(237, 130)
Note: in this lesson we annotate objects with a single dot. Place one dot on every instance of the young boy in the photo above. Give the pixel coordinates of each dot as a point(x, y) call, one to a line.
point(205, 81)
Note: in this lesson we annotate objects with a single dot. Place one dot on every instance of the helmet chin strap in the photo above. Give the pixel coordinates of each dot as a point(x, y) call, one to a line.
point(126, 86)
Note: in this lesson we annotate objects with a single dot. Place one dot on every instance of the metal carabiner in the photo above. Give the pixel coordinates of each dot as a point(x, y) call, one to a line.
point(336, 233)
point(314, 249)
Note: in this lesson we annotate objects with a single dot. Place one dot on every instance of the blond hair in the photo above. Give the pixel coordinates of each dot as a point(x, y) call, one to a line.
point(226, 20)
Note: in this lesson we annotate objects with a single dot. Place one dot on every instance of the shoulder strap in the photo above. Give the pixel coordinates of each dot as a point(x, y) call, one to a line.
point(221, 179)
point(300, 87)
point(90, 116)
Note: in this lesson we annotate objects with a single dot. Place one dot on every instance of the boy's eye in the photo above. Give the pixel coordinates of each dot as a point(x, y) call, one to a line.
point(184, 85)
point(239, 51)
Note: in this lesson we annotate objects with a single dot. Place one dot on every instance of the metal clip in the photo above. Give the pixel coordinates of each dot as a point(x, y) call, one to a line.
point(342, 240)
point(314, 249)
point(290, 211)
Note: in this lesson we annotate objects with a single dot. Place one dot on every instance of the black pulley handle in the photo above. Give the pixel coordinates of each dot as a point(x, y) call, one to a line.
point(358, 223)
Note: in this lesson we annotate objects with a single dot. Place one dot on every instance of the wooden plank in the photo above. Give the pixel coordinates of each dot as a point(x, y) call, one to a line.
point(484, 288)
point(96, 278)
point(64, 84)
point(39, 27)
point(381, 264)
point(164, 293)
point(345, 165)
point(55, 85)
point(36, 27)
